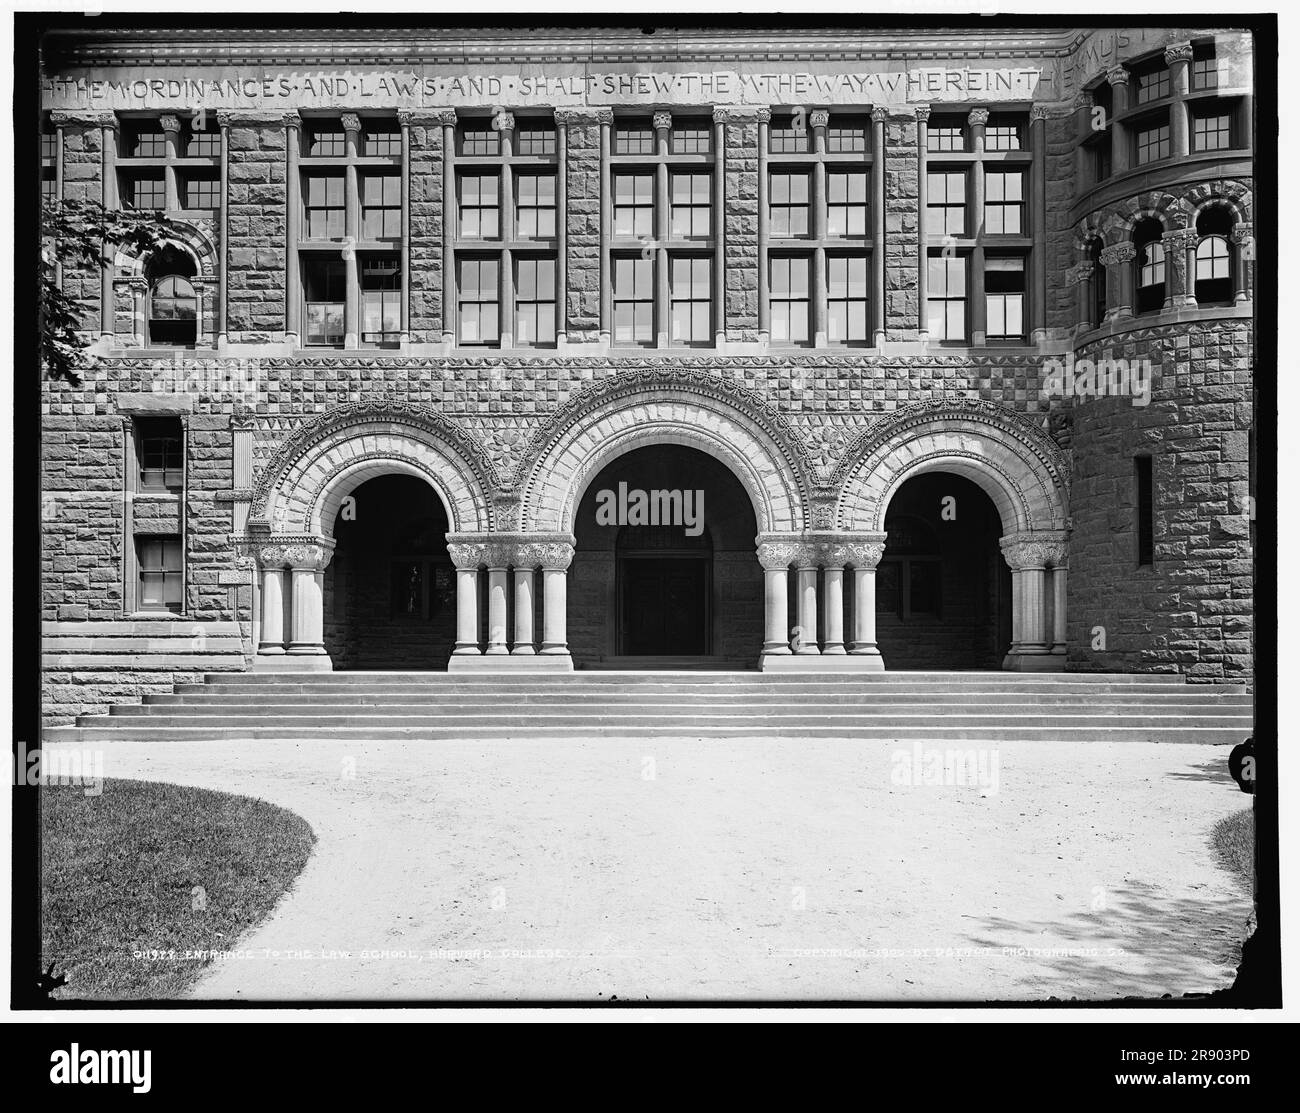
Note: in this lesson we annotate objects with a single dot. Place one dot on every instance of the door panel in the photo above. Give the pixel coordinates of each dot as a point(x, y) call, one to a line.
point(665, 607)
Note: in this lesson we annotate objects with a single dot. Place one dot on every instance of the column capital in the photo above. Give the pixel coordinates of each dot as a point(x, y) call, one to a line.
point(1118, 253)
point(1117, 75)
point(978, 117)
point(1035, 549)
point(922, 113)
point(444, 116)
point(879, 114)
point(777, 551)
point(291, 119)
point(503, 121)
point(168, 122)
point(1178, 52)
point(299, 555)
point(1243, 232)
point(350, 121)
point(467, 555)
point(663, 121)
point(819, 118)
point(741, 114)
point(1038, 113)
point(1180, 238)
point(87, 119)
point(582, 114)
point(1082, 100)
point(842, 549)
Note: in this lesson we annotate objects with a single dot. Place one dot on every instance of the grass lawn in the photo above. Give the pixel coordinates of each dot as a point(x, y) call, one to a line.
point(1233, 840)
point(145, 868)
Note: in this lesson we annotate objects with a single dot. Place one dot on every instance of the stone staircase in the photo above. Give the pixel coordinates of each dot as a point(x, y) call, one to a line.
point(971, 706)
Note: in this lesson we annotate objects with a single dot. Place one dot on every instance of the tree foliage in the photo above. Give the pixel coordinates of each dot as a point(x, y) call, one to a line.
point(83, 235)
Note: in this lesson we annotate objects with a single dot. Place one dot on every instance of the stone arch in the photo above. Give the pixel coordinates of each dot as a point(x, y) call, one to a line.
point(1006, 455)
point(612, 420)
point(195, 239)
point(300, 492)
point(1228, 192)
point(1119, 223)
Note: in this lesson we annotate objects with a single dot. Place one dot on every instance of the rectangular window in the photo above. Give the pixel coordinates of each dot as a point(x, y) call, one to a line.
point(1152, 143)
point(634, 301)
point(946, 297)
point(146, 140)
point(945, 202)
point(381, 300)
point(691, 139)
point(1152, 84)
point(159, 447)
point(1004, 297)
point(480, 206)
point(1205, 68)
point(381, 207)
point(846, 299)
point(381, 140)
point(690, 206)
point(480, 139)
point(326, 141)
point(790, 135)
point(147, 192)
point(201, 192)
point(634, 205)
point(945, 133)
point(846, 203)
point(535, 140)
point(634, 139)
point(788, 299)
point(160, 573)
point(1101, 164)
point(49, 187)
point(480, 301)
point(1004, 133)
point(845, 138)
point(534, 206)
point(325, 210)
point(690, 294)
point(535, 302)
point(1146, 523)
point(324, 283)
point(1212, 133)
point(788, 205)
point(1004, 196)
point(202, 142)
point(49, 145)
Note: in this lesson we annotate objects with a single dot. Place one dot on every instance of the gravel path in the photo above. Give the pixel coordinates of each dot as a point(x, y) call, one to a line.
point(729, 870)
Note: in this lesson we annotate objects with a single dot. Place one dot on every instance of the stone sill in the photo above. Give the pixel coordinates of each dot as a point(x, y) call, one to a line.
point(1242, 311)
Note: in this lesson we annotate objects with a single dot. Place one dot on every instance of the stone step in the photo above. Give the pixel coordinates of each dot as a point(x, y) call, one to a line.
point(946, 732)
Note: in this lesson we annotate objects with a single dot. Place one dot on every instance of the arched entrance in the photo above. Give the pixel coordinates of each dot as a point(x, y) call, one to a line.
point(390, 590)
point(664, 572)
point(943, 589)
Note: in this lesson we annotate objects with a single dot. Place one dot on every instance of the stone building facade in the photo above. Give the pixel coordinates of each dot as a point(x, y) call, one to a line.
point(952, 331)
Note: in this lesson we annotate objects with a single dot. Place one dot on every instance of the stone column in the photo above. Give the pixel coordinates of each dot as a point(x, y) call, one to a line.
point(504, 122)
point(1178, 279)
point(1084, 279)
point(139, 295)
point(764, 220)
point(171, 126)
point(605, 116)
point(466, 557)
point(718, 229)
point(1038, 223)
point(450, 220)
point(864, 555)
point(307, 564)
point(1085, 173)
point(1058, 609)
point(201, 314)
point(524, 580)
point(498, 561)
point(404, 120)
point(1117, 76)
point(555, 559)
point(271, 638)
point(923, 244)
point(352, 233)
point(1243, 235)
point(805, 642)
point(978, 120)
point(1178, 57)
point(878, 118)
point(1029, 554)
point(1118, 259)
point(835, 558)
point(775, 558)
point(293, 226)
point(817, 280)
point(223, 122)
point(663, 123)
point(108, 180)
point(561, 232)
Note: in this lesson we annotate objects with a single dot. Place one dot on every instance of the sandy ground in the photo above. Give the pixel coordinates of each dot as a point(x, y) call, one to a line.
point(729, 870)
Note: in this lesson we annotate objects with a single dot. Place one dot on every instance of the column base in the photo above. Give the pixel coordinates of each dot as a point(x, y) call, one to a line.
point(496, 663)
point(847, 662)
point(1033, 662)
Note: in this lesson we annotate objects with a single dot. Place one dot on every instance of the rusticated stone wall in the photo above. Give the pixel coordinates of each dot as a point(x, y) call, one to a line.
point(257, 205)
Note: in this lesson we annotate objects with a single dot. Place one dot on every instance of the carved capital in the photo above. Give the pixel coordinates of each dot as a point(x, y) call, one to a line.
point(741, 114)
point(548, 555)
point(504, 121)
point(1035, 549)
point(778, 553)
point(444, 116)
point(582, 115)
point(467, 554)
point(405, 117)
point(1082, 101)
point(1118, 253)
point(978, 117)
point(819, 118)
point(663, 121)
point(1038, 112)
point(169, 123)
point(922, 113)
point(879, 115)
point(1178, 52)
point(291, 119)
point(1117, 75)
point(1243, 232)
point(1179, 238)
point(84, 119)
point(350, 121)
point(300, 556)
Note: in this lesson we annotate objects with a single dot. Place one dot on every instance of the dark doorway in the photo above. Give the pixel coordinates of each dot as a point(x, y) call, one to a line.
point(390, 590)
point(943, 589)
point(664, 588)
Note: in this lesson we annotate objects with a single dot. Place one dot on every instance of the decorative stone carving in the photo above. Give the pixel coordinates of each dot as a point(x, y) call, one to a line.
point(1117, 75)
point(1180, 239)
point(741, 114)
point(504, 121)
point(292, 119)
point(879, 114)
point(663, 121)
point(309, 555)
point(1178, 52)
point(1243, 232)
point(775, 554)
point(169, 122)
point(444, 116)
point(922, 113)
point(350, 121)
point(819, 118)
point(1041, 549)
point(978, 117)
point(83, 118)
point(1118, 253)
point(548, 555)
point(405, 117)
point(1039, 112)
point(467, 554)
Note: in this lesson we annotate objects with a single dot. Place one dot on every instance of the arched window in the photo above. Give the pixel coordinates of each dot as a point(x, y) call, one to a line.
point(1215, 261)
point(173, 310)
point(1098, 308)
point(1149, 266)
